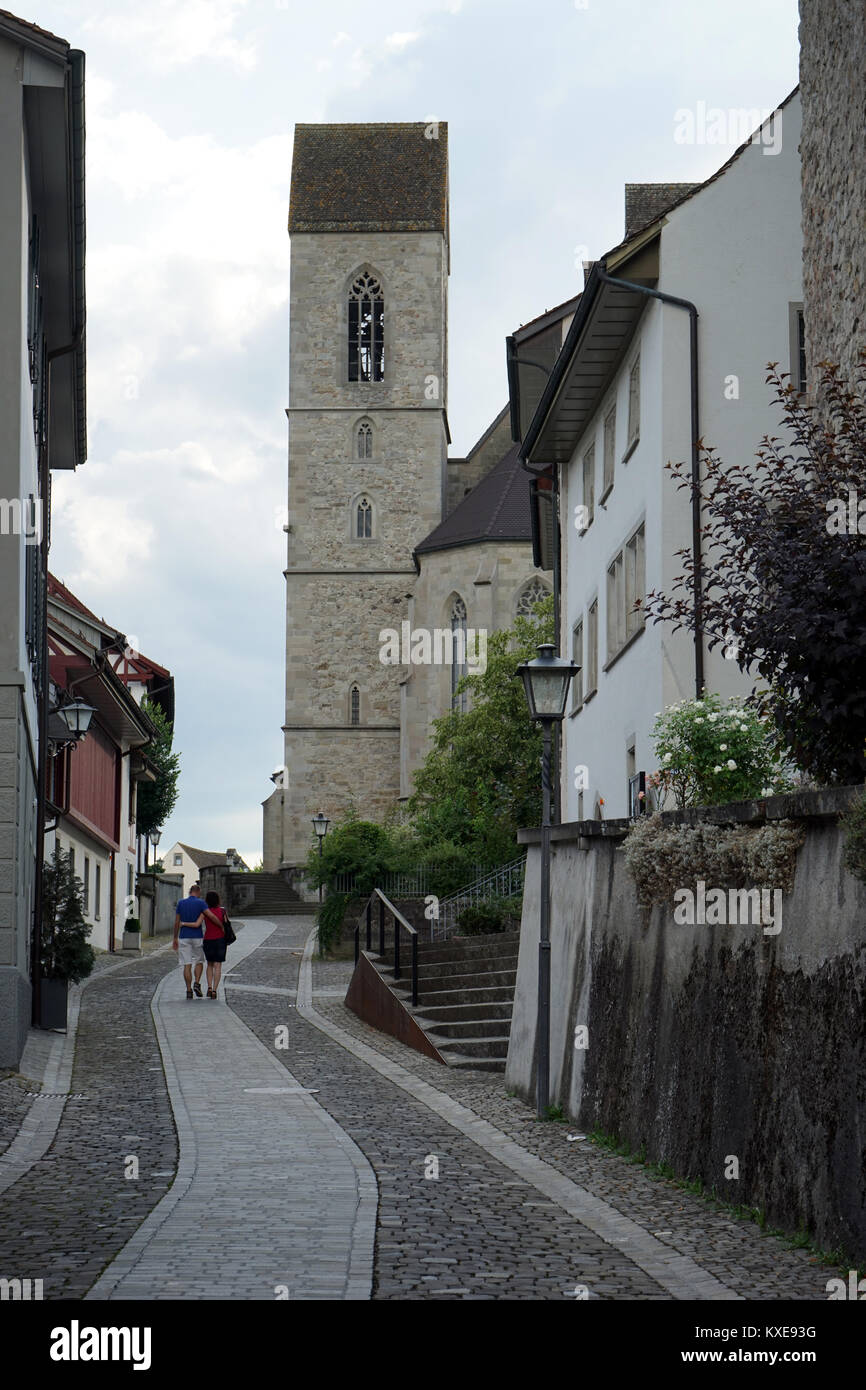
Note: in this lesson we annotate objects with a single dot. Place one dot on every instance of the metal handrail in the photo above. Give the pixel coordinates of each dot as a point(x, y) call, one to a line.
point(504, 881)
point(399, 921)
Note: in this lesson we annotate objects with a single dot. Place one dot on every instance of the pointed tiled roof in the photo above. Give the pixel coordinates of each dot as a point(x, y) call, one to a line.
point(497, 509)
point(388, 177)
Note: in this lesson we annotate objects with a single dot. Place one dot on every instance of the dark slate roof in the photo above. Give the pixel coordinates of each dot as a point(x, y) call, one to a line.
point(497, 509)
point(357, 178)
point(645, 202)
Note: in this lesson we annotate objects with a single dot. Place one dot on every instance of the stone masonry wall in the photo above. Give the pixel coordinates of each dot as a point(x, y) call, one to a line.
point(342, 591)
point(833, 89)
point(706, 1042)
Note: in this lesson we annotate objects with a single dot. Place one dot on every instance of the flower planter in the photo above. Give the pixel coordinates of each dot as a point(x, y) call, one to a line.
point(52, 1002)
point(131, 941)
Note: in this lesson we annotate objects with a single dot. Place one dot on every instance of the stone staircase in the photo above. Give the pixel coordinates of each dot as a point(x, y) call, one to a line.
point(272, 897)
point(465, 995)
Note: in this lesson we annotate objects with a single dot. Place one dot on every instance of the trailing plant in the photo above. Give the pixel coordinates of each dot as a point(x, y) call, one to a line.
point(329, 920)
point(783, 584)
point(66, 954)
point(662, 859)
point(711, 752)
point(489, 916)
point(853, 825)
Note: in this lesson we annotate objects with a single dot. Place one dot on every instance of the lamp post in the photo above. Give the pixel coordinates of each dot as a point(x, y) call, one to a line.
point(545, 680)
point(154, 840)
point(320, 825)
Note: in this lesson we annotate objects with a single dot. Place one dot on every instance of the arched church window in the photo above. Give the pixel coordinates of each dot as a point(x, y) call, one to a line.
point(364, 440)
point(531, 594)
point(354, 705)
point(458, 652)
point(366, 329)
point(364, 520)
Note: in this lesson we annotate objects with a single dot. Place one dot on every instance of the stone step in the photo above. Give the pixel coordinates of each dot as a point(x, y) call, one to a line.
point(464, 1028)
point(460, 1011)
point(475, 1047)
point(491, 994)
point(463, 970)
point(455, 1059)
point(459, 949)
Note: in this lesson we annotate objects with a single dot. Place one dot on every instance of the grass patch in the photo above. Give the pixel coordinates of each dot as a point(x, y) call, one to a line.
point(799, 1240)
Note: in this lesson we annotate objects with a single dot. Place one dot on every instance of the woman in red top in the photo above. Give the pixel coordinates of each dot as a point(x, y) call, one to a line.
point(214, 942)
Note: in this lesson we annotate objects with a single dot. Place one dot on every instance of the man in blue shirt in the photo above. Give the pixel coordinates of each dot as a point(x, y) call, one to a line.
point(188, 933)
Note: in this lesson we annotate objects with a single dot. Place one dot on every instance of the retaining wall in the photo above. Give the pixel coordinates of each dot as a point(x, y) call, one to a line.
point(709, 1041)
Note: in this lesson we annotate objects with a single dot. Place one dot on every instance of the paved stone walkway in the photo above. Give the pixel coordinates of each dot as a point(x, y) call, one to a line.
point(259, 1165)
point(491, 1234)
point(271, 1199)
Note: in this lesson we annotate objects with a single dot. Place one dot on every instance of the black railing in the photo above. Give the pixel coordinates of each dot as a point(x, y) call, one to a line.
point(384, 905)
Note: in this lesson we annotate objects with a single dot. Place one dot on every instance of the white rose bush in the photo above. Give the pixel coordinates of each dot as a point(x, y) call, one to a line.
point(711, 752)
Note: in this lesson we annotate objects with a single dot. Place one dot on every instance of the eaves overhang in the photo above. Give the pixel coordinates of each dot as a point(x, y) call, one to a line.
point(597, 340)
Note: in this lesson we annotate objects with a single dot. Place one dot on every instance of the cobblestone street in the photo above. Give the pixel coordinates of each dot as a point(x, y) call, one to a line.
point(319, 1158)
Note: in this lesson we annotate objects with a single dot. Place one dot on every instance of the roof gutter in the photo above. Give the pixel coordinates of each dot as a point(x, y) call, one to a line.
point(78, 228)
point(697, 558)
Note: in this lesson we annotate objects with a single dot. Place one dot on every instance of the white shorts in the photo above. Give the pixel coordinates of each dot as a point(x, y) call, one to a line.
point(189, 951)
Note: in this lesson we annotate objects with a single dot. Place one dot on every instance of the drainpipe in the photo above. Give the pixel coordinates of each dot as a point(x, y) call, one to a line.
point(75, 109)
point(697, 558)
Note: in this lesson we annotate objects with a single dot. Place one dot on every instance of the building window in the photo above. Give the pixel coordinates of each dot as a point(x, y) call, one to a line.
point(97, 892)
point(129, 883)
point(355, 705)
point(363, 520)
point(609, 449)
point(86, 893)
point(72, 859)
point(589, 484)
point(591, 682)
point(364, 441)
point(626, 588)
point(530, 595)
point(366, 330)
point(634, 404)
point(635, 583)
point(797, 328)
point(577, 658)
point(458, 652)
point(178, 861)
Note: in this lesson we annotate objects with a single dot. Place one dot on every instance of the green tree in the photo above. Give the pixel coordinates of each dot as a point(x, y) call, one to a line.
point(66, 954)
point(481, 780)
point(156, 800)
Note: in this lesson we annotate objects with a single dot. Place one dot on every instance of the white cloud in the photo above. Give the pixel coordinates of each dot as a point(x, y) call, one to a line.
point(173, 32)
point(395, 43)
point(342, 37)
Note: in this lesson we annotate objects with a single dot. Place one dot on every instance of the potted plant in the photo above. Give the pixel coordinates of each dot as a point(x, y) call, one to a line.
point(66, 954)
point(132, 934)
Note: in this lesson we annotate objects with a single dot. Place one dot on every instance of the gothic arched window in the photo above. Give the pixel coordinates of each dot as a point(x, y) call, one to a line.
point(364, 440)
point(531, 594)
point(363, 520)
point(458, 652)
point(354, 705)
point(366, 329)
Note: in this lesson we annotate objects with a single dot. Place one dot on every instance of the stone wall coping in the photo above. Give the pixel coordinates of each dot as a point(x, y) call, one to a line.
point(826, 803)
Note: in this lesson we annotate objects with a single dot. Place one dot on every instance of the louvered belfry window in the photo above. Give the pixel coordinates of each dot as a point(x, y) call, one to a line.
point(366, 330)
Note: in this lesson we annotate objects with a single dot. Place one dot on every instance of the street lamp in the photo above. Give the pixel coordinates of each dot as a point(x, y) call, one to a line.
point(545, 680)
point(76, 715)
point(320, 825)
point(154, 840)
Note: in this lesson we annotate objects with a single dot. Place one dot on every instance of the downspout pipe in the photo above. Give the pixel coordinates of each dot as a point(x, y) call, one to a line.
point(697, 557)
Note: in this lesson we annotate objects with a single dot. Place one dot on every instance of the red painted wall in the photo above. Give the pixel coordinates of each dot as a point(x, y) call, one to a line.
point(94, 783)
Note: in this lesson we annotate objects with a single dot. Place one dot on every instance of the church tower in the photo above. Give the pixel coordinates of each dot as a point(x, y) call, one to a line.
point(368, 438)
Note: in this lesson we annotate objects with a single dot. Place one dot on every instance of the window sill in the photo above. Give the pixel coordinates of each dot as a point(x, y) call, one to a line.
point(611, 661)
point(604, 496)
point(630, 450)
point(584, 702)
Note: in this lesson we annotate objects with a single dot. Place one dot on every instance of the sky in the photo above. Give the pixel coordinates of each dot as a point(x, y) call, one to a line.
point(172, 530)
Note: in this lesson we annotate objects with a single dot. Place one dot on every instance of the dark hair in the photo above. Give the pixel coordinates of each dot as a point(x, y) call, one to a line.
point(212, 899)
